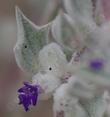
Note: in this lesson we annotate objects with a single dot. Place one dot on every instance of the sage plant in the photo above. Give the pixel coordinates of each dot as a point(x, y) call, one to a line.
point(72, 63)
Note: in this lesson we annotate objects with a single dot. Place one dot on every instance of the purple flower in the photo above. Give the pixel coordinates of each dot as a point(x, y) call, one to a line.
point(28, 95)
point(96, 64)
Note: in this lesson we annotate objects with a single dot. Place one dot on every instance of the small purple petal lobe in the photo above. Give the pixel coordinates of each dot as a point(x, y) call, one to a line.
point(96, 64)
point(21, 90)
point(28, 95)
point(34, 100)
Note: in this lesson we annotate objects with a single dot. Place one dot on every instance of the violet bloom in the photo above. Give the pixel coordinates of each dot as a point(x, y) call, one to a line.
point(96, 64)
point(28, 95)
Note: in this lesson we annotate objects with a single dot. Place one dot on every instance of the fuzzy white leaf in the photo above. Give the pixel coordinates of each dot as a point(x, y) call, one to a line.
point(79, 8)
point(67, 104)
point(31, 39)
point(80, 88)
point(48, 84)
point(53, 60)
point(100, 79)
point(95, 107)
point(81, 12)
point(65, 33)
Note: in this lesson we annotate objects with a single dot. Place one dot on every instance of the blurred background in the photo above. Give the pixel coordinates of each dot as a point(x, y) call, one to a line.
point(11, 77)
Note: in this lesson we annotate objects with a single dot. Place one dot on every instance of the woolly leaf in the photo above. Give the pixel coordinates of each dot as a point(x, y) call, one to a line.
point(31, 39)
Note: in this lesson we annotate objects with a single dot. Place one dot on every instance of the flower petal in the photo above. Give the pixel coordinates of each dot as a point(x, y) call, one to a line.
point(22, 90)
point(34, 99)
point(28, 95)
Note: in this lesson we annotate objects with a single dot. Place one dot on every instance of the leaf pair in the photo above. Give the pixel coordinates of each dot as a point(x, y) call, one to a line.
point(71, 33)
point(32, 38)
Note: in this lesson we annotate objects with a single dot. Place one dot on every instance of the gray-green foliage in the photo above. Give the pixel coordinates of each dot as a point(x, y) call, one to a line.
point(65, 31)
point(31, 39)
point(95, 107)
